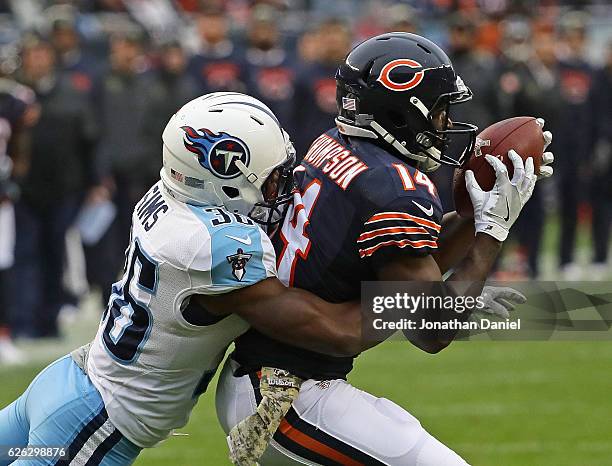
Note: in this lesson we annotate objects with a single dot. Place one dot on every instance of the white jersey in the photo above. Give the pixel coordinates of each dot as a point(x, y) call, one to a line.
point(156, 351)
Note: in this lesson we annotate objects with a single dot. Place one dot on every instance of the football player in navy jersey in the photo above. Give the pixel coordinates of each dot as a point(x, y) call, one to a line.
point(366, 210)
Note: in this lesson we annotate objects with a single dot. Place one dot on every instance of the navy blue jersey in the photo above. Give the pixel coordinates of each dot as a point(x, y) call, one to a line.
point(14, 99)
point(271, 78)
point(218, 70)
point(357, 207)
point(314, 103)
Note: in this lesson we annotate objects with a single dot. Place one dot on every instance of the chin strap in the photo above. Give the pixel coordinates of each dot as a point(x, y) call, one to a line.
point(426, 163)
point(350, 129)
point(250, 176)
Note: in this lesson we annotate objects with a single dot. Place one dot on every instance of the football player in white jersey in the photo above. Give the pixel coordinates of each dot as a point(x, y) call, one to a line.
point(199, 269)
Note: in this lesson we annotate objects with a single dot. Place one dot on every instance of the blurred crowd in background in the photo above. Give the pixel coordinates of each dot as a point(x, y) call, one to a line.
point(87, 87)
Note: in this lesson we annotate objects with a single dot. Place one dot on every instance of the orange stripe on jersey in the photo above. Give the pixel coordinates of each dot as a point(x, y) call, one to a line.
point(309, 443)
point(402, 244)
point(390, 230)
point(403, 216)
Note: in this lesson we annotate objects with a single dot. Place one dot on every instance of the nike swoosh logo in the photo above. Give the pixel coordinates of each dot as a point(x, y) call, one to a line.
point(428, 212)
point(246, 240)
point(507, 217)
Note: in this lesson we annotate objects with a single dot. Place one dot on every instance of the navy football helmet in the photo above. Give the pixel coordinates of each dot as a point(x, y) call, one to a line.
point(397, 88)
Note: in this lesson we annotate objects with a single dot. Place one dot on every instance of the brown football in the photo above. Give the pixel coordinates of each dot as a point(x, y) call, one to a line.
point(523, 134)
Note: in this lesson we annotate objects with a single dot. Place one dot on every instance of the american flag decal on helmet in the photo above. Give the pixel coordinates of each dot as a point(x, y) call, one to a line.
point(177, 176)
point(349, 104)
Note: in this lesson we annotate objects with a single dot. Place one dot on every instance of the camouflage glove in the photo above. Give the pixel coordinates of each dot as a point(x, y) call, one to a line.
point(250, 437)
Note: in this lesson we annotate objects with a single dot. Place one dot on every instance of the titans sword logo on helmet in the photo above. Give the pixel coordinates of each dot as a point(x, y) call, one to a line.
point(217, 152)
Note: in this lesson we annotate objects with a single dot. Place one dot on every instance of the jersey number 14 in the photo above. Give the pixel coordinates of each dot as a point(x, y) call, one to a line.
point(296, 243)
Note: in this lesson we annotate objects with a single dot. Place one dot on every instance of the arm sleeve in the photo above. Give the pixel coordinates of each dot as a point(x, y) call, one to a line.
point(408, 224)
point(239, 256)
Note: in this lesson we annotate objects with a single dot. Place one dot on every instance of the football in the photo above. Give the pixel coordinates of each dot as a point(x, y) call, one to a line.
point(523, 134)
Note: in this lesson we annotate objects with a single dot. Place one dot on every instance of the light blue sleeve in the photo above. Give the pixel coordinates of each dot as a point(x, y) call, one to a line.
point(241, 254)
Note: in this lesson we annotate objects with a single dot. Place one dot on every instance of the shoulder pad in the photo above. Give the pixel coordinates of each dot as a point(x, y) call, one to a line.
point(237, 254)
point(383, 184)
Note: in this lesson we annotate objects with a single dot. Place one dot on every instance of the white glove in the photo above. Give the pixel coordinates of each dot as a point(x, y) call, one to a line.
point(496, 211)
point(546, 171)
point(500, 300)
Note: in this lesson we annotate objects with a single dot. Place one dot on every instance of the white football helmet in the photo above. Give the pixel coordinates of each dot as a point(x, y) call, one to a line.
point(220, 148)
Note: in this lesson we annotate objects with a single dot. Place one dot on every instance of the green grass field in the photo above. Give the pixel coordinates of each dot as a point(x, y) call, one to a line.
point(495, 403)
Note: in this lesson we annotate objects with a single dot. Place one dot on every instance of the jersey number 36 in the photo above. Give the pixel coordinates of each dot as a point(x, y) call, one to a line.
point(127, 321)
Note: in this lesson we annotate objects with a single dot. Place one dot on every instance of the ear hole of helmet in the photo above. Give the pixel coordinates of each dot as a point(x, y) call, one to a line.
point(397, 119)
point(231, 192)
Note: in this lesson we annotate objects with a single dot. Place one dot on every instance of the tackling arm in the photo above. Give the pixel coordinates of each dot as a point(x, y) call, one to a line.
point(292, 316)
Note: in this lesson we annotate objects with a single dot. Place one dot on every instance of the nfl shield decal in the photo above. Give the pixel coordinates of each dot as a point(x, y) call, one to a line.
point(218, 153)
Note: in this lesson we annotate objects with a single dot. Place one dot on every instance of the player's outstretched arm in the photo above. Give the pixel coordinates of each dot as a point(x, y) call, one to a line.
point(293, 316)
point(494, 213)
point(457, 233)
point(405, 267)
